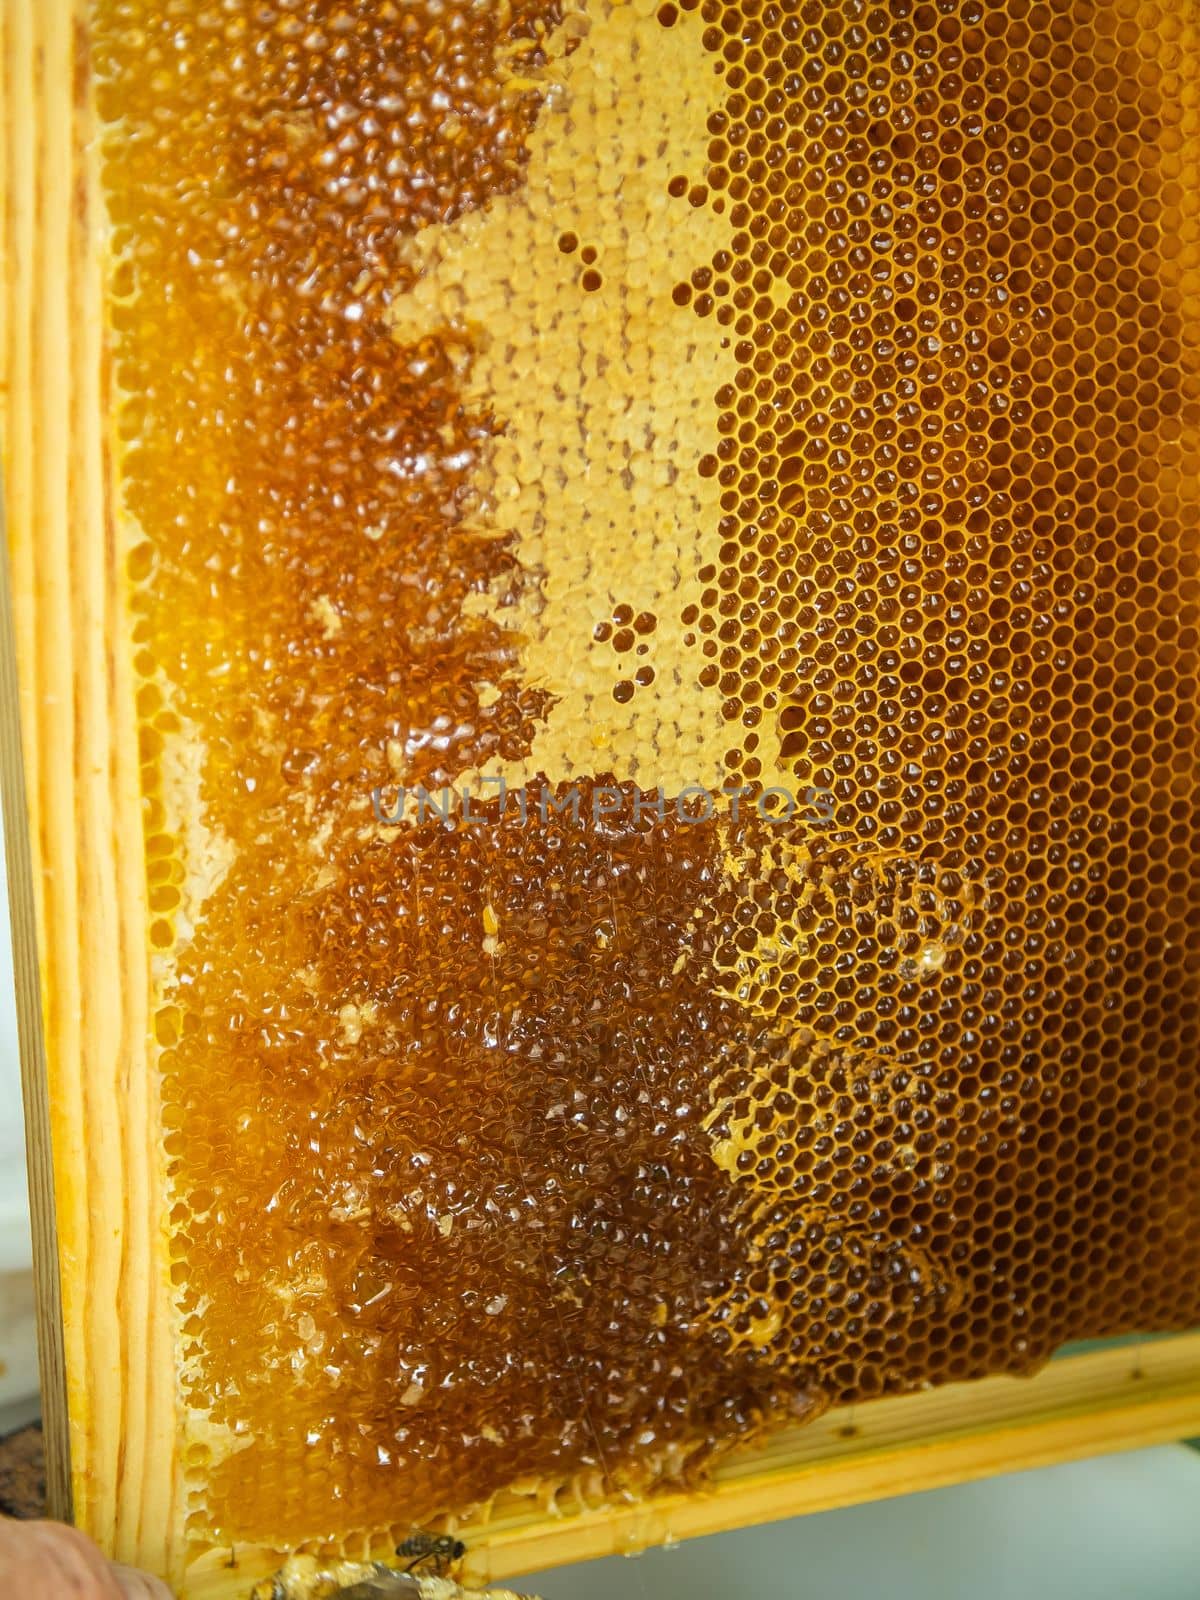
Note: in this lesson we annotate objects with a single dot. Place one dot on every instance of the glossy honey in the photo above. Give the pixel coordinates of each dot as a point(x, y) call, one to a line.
point(534, 1154)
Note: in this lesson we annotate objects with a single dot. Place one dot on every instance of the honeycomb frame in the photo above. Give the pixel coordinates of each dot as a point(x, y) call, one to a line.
point(49, 535)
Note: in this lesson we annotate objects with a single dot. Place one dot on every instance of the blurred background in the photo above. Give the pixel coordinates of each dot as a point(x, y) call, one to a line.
point(18, 1351)
point(1119, 1527)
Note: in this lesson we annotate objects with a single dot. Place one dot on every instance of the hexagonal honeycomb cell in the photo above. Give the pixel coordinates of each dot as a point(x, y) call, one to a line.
point(766, 435)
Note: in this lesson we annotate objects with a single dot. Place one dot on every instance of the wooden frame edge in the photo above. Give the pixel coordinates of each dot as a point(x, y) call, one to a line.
point(17, 88)
point(52, 1361)
point(94, 1132)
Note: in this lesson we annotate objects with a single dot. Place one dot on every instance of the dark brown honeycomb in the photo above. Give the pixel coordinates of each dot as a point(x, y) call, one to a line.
point(540, 1153)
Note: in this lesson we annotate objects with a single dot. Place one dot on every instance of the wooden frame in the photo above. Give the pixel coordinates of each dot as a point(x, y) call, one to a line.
point(92, 1108)
point(73, 824)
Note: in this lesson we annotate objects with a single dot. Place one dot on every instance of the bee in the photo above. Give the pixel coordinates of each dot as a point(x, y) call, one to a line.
point(440, 1549)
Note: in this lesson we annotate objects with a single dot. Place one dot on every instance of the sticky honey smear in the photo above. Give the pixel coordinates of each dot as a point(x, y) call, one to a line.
point(655, 396)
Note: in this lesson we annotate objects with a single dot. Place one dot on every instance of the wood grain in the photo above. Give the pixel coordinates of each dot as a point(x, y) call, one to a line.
point(79, 867)
point(23, 241)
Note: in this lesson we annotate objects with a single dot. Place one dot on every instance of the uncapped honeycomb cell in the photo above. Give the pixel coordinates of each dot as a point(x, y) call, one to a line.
point(792, 403)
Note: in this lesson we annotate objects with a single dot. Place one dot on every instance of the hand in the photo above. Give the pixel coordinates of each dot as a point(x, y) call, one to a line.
point(47, 1561)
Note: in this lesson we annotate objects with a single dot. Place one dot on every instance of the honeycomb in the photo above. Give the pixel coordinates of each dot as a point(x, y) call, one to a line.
point(622, 399)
